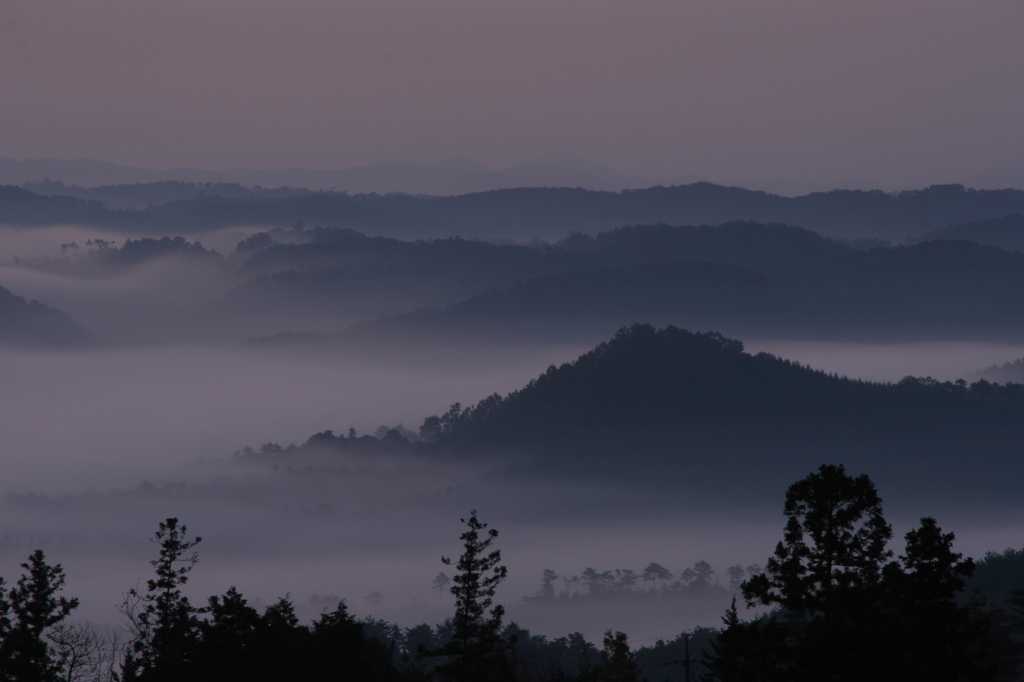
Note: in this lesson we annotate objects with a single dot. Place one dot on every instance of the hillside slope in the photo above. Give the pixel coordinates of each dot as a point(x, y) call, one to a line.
point(30, 324)
point(679, 409)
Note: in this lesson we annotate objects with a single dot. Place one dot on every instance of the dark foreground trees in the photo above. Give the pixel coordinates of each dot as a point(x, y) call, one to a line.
point(163, 622)
point(29, 613)
point(476, 651)
point(229, 641)
point(844, 610)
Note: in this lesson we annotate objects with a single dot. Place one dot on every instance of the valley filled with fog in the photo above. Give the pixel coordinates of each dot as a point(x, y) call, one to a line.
point(267, 385)
point(104, 444)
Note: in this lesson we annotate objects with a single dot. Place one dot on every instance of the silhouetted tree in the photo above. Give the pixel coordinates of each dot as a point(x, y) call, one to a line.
point(930, 627)
point(617, 661)
point(163, 622)
point(735, 573)
point(655, 572)
point(597, 582)
point(439, 583)
point(845, 614)
point(28, 614)
point(625, 579)
point(83, 653)
point(825, 575)
point(342, 650)
point(699, 577)
point(834, 542)
point(229, 647)
point(476, 652)
point(748, 652)
point(547, 585)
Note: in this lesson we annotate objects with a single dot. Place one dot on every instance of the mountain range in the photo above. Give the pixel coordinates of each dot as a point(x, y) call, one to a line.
point(459, 175)
point(522, 214)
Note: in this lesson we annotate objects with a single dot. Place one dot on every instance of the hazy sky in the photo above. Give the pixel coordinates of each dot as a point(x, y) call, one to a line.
point(910, 92)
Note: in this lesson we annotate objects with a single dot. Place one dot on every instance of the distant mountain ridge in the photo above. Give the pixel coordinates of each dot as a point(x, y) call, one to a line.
point(458, 175)
point(533, 213)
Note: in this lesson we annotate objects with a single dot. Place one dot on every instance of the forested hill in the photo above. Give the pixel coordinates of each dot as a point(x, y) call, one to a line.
point(1006, 232)
point(30, 324)
point(547, 213)
point(23, 208)
point(745, 279)
point(673, 407)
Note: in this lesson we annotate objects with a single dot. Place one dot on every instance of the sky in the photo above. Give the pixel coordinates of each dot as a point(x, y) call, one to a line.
point(907, 93)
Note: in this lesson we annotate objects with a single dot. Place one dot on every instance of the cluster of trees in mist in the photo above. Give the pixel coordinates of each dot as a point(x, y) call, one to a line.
point(653, 582)
point(1008, 372)
point(102, 257)
point(842, 608)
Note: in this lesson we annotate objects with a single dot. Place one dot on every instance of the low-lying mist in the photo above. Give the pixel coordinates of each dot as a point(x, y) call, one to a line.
point(101, 445)
point(941, 360)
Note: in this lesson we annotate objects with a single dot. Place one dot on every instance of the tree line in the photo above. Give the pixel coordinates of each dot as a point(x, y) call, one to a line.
point(843, 607)
point(654, 581)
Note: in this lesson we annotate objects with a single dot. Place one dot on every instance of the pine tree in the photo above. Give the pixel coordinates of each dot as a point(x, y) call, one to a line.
point(476, 651)
point(618, 664)
point(162, 620)
point(834, 543)
point(27, 614)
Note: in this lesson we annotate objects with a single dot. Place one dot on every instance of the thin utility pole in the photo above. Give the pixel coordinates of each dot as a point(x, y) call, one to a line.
point(686, 662)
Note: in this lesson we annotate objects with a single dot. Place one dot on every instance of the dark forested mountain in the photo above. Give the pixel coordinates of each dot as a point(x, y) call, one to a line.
point(701, 275)
point(742, 278)
point(30, 324)
point(581, 306)
point(341, 276)
point(694, 412)
point(548, 213)
point(1006, 232)
point(24, 208)
point(769, 248)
